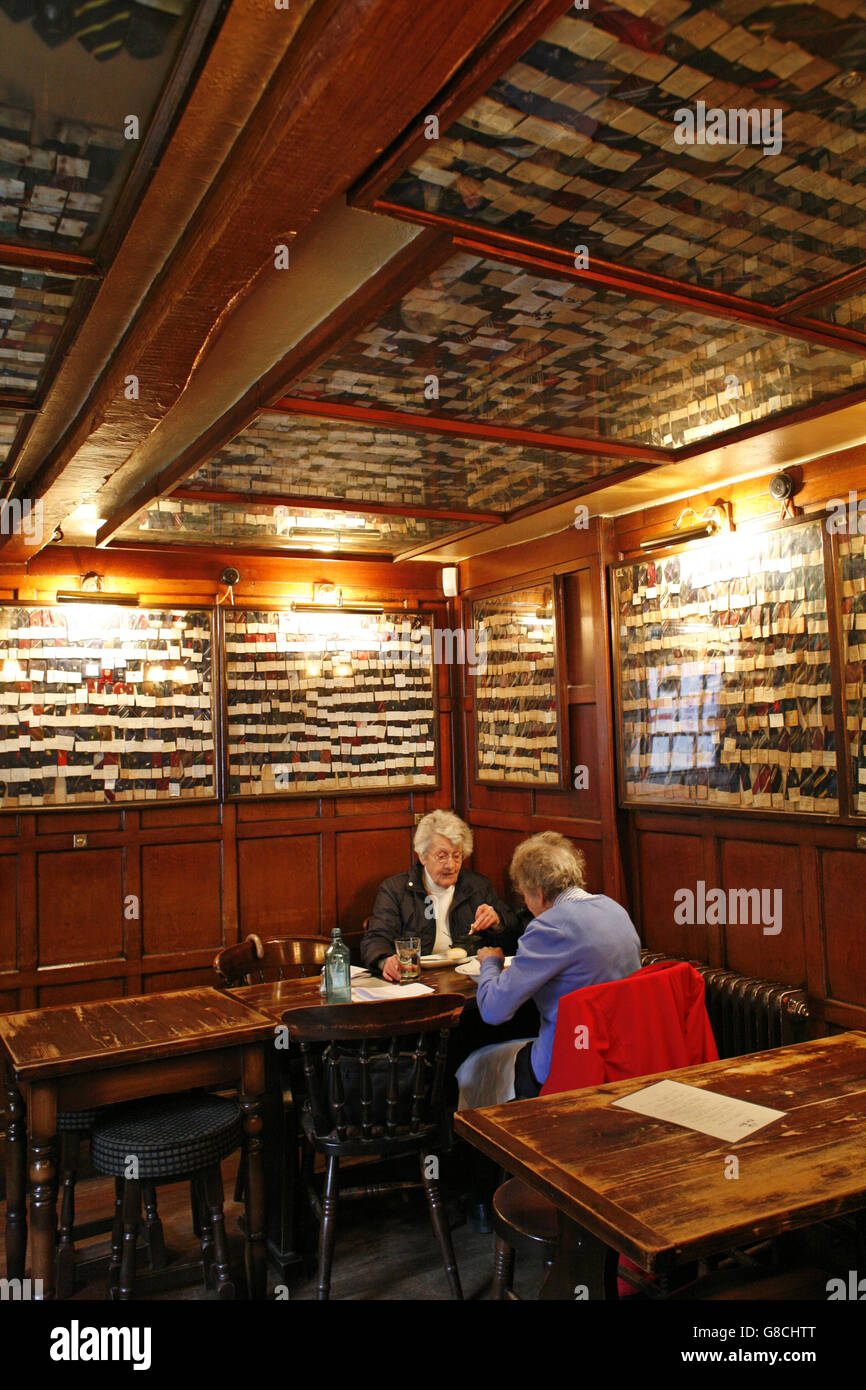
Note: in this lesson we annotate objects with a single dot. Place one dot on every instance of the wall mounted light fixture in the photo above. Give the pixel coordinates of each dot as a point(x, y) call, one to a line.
point(714, 520)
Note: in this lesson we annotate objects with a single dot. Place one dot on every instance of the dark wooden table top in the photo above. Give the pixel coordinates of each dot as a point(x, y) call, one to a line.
point(659, 1193)
point(274, 998)
point(70, 1038)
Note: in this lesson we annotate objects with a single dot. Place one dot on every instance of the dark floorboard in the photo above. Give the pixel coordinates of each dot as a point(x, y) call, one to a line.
point(385, 1250)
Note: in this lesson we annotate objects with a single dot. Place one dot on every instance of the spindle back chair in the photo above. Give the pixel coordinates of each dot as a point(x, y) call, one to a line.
point(254, 961)
point(375, 1086)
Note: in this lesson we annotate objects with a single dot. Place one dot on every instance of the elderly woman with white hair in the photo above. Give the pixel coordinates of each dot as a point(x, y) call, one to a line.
point(439, 900)
point(575, 938)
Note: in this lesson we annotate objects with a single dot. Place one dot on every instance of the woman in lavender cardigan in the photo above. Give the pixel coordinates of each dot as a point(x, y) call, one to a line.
point(575, 938)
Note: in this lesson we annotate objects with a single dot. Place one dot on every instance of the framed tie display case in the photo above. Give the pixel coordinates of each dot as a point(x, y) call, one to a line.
point(852, 594)
point(329, 702)
point(102, 703)
point(724, 680)
point(513, 674)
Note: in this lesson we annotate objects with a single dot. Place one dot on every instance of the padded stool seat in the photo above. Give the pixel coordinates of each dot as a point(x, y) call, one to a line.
point(72, 1121)
point(184, 1136)
point(169, 1138)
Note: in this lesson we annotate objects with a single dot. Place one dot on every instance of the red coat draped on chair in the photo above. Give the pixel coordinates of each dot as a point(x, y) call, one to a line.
point(654, 1020)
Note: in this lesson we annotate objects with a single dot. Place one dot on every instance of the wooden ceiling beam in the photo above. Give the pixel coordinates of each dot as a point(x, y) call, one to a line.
point(525, 23)
point(472, 429)
point(234, 549)
point(399, 274)
point(839, 288)
point(681, 295)
point(47, 261)
point(331, 504)
point(320, 122)
point(777, 422)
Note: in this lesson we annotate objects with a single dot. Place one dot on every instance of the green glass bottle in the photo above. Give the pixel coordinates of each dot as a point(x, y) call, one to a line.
point(337, 972)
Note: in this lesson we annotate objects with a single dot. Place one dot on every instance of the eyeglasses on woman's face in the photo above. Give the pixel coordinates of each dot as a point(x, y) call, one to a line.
point(443, 857)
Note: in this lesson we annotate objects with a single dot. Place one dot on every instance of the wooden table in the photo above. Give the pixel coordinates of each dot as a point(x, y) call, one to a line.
point(283, 1196)
point(274, 998)
point(74, 1057)
point(663, 1195)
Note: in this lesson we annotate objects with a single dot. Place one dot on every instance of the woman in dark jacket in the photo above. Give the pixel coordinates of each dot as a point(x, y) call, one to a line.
point(438, 900)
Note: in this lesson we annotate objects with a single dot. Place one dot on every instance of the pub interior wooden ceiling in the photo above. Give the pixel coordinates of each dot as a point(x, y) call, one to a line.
point(363, 279)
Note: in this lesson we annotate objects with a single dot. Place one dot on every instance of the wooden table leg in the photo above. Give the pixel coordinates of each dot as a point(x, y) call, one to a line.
point(584, 1268)
point(16, 1179)
point(42, 1123)
point(252, 1090)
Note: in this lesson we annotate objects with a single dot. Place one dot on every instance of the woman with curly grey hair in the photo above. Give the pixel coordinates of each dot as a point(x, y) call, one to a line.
point(575, 938)
point(440, 900)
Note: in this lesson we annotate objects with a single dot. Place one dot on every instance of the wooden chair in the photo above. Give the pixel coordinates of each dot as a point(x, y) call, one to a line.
point(375, 1083)
point(254, 961)
point(173, 1138)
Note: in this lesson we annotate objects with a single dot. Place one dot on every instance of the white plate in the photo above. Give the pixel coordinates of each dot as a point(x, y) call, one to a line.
point(436, 962)
point(473, 965)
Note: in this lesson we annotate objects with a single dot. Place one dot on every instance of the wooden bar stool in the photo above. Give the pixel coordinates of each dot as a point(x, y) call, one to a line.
point(176, 1138)
point(72, 1127)
point(523, 1221)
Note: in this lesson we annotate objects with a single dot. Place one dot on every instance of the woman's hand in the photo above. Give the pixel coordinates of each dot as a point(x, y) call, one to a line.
point(391, 969)
point(491, 951)
point(485, 918)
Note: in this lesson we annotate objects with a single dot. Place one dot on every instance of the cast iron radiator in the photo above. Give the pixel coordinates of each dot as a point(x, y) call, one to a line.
point(748, 1015)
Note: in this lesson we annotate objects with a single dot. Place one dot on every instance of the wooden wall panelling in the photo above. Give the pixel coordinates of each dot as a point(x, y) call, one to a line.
point(712, 878)
point(816, 482)
point(79, 900)
point(328, 874)
point(668, 861)
point(362, 859)
point(82, 991)
point(161, 980)
point(773, 869)
point(842, 878)
point(614, 879)
point(134, 901)
point(230, 899)
point(27, 910)
point(174, 918)
point(279, 885)
point(9, 912)
point(813, 917)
